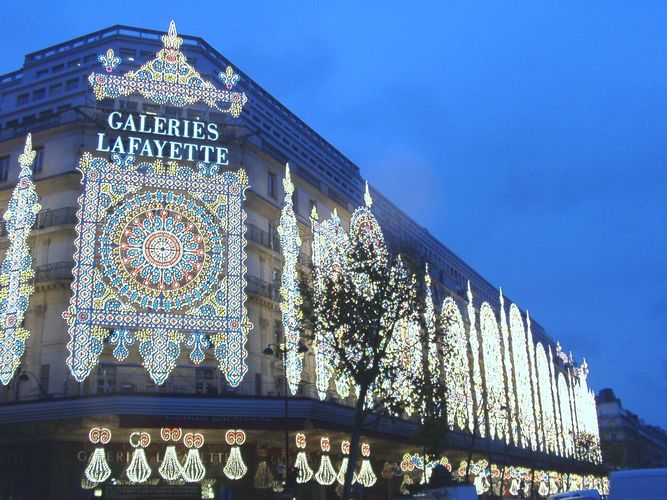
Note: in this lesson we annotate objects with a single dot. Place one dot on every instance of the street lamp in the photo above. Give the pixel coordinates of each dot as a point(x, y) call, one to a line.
point(268, 351)
point(24, 376)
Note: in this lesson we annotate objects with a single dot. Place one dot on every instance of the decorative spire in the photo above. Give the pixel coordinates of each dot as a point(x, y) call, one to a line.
point(427, 276)
point(469, 294)
point(367, 197)
point(171, 40)
point(287, 185)
point(28, 156)
point(313, 213)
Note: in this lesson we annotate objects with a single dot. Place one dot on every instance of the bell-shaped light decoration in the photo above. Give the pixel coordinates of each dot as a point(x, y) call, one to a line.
point(366, 477)
point(139, 471)
point(263, 479)
point(193, 468)
point(235, 468)
point(326, 474)
point(98, 470)
point(171, 469)
point(303, 471)
point(345, 448)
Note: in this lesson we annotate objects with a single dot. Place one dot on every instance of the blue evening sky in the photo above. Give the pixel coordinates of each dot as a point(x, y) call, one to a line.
point(530, 137)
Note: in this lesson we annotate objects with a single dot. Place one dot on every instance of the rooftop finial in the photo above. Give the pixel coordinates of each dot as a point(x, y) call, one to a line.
point(502, 299)
point(427, 276)
point(367, 197)
point(469, 292)
point(28, 156)
point(171, 40)
point(313, 213)
point(287, 185)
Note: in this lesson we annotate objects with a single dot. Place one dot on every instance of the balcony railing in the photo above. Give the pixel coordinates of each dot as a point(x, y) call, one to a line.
point(50, 218)
point(54, 271)
point(264, 288)
point(262, 237)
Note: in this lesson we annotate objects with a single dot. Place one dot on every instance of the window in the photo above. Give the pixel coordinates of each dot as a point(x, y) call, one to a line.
point(56, 89)
point(44, 373)
point(151, 109)
point(64, 107)
point(73, 63)
point(39, 94)
point(205, 381)
point(4, 168)
point(127, 54)
point(57, 68)
point(172, 112)
point(312, 205)
point(89, 58)
point(258, 384)
point(295, 200)
point(42, 73)
point(72, 84)
point(106, 378)
point(38, 164)
point(22, 99)
point(272, 185)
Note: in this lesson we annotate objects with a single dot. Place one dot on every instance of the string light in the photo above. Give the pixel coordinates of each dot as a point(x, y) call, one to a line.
point(524, 395)
point(477, 382)
point(139, 471)
point(16, 278)
point(326, 474)
point(546, 400)
point(512, 434)
point(554, 393)
point(537, 419)
point(366, 476)
point(235, 468)
point(98, 470)
point(164, 266)
point(493, 373)
point(171, 468)
point(193, 468)
point(345, 449)
point(566, 417)
point(303, 471)
point(431, 332)
point(263, 479)
point(290, 303)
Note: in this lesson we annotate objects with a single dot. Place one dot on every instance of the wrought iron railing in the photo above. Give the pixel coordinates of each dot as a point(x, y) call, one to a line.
point(54, 271)
point(262, 237)
point(264, 288)
point(50, 218)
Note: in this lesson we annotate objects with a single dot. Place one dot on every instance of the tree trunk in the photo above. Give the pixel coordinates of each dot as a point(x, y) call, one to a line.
point(354, 443)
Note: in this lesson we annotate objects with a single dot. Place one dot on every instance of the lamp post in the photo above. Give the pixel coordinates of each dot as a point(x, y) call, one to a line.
point(24, 376)
point(268, 351)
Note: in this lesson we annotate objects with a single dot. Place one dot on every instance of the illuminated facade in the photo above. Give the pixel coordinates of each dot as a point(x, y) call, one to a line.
point(166, 258)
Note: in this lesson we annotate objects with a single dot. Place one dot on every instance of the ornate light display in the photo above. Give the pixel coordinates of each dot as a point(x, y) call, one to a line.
point(329, 248)
point(139, 471)
point(168, 79)
point(537, 419)
point(411, 462)
point(554, 393)
point(235, 468)
point(263, 479)
point(431, 331)
point(16, 285)
point(524, 395)
point(193, 468)
point(366, 476)
point(345, 449)
point(405, 350)
point(566, 418)
point(477, 382)
point(171, 468)
point(493, 373)
point(98, 470)
point(480, 472)
point(290, 303)
point(326, 474)
point(509, 373)
point(546, 399)
point(456, 367)
point(160, 256)
point(303, 471)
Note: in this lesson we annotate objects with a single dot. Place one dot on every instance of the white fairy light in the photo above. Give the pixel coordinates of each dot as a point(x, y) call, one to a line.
point(345, 448)
point(493, 373)
point(478, 387)
point(554, 392)
point(366, 477)
point(193, 468)
point(546, 399)
point(430, 324)
point(537, 409)
point(326, 474)
point(263, 479)
point(235, 468)
point(566, 417)
point(171, 468)
point(522, 373)
point(98, 469)
point(139, 471)
point(303, 471)
point(509, 374)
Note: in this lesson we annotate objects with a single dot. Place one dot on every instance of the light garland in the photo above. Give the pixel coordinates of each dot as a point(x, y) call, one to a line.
point(456, 368)
point(290, 303)
point(538, 442)
point(16, 278)
point(235, 468)
point(366, 476)
point(170, 468)
point(477, 382)
point(522, 373)
point(546, 401)
point(168, 79)
point(139, 471)
point(98, 470)
point(193, 468)
point(303, 471)
point(493, 373)
point(566, 417)
point(345, 449)
point(160, 258)
point(326, 474)
point(509, 373)
point(556, 405)
point(431, 331)
point(405, 351)
point(263, 479)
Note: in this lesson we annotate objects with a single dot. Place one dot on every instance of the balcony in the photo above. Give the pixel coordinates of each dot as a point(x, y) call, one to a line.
point(49, 218)
point(263, 288)
point(54, 272)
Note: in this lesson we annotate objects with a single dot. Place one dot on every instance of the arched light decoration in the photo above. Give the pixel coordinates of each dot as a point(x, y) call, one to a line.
point(522, 372)
point(493, 373)
point(329, 248)
point(98, 470)
point(405, 350)
point(480, 472)
point(546, 399)
point(366, 477)
point(345, 449)
point(193, 468)
point(235, 468)
point(566, 417)
point(477, 382)
point(263, 479)
point(326, 474)
point(537, 420)
point(554, 391)
point(16, 278)
point(431, 330)
point(168, 79)
point(456, 368)
point(171, 468)
point(303, 471)
point(509, 373)
point(139, 471)
point(290, 297)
